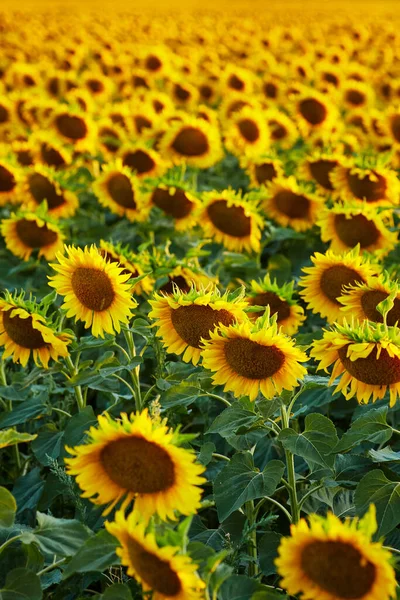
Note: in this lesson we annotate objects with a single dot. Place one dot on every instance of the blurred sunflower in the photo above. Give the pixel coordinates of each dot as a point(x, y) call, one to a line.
point(313, 111)
point(176, 201)
point(357, 94)
point(73, 127)
point(117, 189)
point(10, 179)
point(184, 319)
point(262, 169)
point(193, 141)
point(360, 301)
point(184, 94)
point(137, 458)
point(26, 331)
point(132, 264)
point(318, 167)
point(184, 276)
point(164, 571)
point(328, 279)
point(40, 185)
point(366, 360)
point(282, 130)
point(279, 299)
point(26, 232)
point(288, 203)
point(24, 152)
point(50, 151)
point(143, 161)
point(251, 358)
point(95, 291)
point(237, 79)
point(347, 225)
point(231, 220)
point(246, 132)
point(374, 185)
point(6, 113)
point(327, 559)
point(110, 137)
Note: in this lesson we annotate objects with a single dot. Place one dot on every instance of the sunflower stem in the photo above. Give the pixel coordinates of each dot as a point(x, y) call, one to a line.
point(252, 544)
point(135, 372)
point(74, 370)
point(220, 398)
point(3, 379)
point(291, 475)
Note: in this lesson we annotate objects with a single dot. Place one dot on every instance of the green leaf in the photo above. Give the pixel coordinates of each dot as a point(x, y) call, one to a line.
point(11, 437)
point(376, 488)
point(239, 587)
point(384, 455)
point(268, 552)
point(21, 584)
point(97, 554)
point(8, 508)
point(28, 489)
point(370, 427)
point(180, 394)
point(27, 410)
point(77, 427)
point(234, 418)
point(63, 537)
point(206, 452)
point(118, 591)
point(240, 482)
point(47, 444)
point(315, 444)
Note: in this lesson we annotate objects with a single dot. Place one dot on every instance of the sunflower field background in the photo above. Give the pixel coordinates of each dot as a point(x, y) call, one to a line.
point(200, 299)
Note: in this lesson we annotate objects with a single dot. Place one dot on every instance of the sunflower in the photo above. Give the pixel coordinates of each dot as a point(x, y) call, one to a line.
point(360, 301)
point(98, 85)
point(262, 169)
point(183, 319)
point(6, 113)
point(366, 357)
point(143, 119)
point(318, 167)
point(231, 220)
point(184, 276)
point(23, 152)
point(26, 232)
point(117, 189)
point(143, 161)
point(24, 329)
point(273, 87)
point(41, 185)
point(357, 94)
point(329, 74)
point(184, 94)
point(251, 358)
point(290, 205)
point(207, 114)
point(235, 102)
point(283, 132)
point(155, 61)
point(139, 459)
point(393, 123)
point(238, 79)
point(160, 101)
point(132, 264)
point(81, 101)
point(280, 301)
point(10, 178)
point(247, 132)
point(110, 137)
point(164, 570)
point(73, 127)
point(50, 151)
point(95, 291)
point(313, 111)
point(347, 225)
point(177, 202)
point(327, 559)
point(327, 279)
point(194, 142)
point(373, 185)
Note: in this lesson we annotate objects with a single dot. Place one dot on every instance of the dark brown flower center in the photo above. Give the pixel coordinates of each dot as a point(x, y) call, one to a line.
point(206, 91)
point(236, 106)
point(384, 370)
point(71, 126)
point(139, 161)
point(51, 156)
point(334, 279)
point(156, 573)
point(93, 288)
point(181, 93)
point(120, 189)
point(7, 180)
point(194, 322)
point(235, 83)
point(153, 63)
point(320, 171)
point(369, 301)
point(270, 90)
point(278, 131)
point(364, 188)
point(142, 123)
point(22, 332)
point(190, 142)
point(168, 288)
point(356, 230)
point(395, 127)
point(331, 78)
point(43, 189)
point(24, 158)
point(273, 301)
point(339, 569)
point(34, 235)
point(109, 139)
point(137, 465)
point(249, 130)
point(313, 111)
point(355, 97)
point(294, 206)
point(4, 114)
point(112, 259)
point(176, 205)
point(231, 220)
point(95, 85)
point(265, 172)
point(252, 360)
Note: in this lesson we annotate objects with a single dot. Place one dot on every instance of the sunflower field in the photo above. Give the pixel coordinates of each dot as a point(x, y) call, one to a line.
point(200, 302)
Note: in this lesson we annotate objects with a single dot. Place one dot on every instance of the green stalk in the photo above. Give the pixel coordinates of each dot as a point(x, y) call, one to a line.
point(135, 373)
point(74, 370)
point(291, 475)
point(252, 544)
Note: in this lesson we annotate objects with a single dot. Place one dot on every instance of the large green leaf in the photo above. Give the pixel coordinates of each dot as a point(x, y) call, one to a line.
point(97, 554)
point(376, 488)
point(315, 444)
point(240, 587)
point(8, 508)
point(268, 552)
point(371, 427)
point(240, 482)
point(63, 537)
point(235, 419)
point(21, 584)
point(11, 437)
point(118, 591)
point(25, 411)
point(47, 445)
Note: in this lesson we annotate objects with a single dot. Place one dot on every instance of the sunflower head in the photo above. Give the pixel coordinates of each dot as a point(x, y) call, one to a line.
point(282, 130)
point(132, 264)
point(246, 132)
point(360, 182)
point(361, 300)
point(313, 110)
point(176, 200)
point(73, 127)
point(318, 167)
point(328, 559)
point(10, 182)
point(50, 151)
point(142, 160)
point(41, 184)
point(262, 169)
